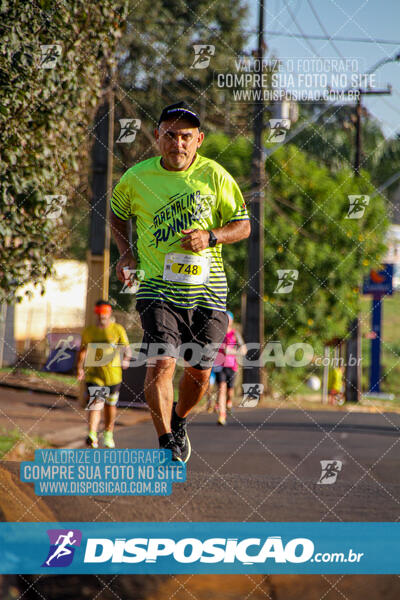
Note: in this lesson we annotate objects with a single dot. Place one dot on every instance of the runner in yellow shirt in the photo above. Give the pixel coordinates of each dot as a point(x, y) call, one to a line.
point(335, 386)
point(103, 382)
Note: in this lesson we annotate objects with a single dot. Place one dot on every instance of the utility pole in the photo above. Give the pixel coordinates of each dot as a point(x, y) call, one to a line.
point(254, 322)
point(353, 345)
point(98, 256)
point(358, 138)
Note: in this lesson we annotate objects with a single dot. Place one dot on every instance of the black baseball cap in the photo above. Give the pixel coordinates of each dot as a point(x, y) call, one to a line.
point(177, 110)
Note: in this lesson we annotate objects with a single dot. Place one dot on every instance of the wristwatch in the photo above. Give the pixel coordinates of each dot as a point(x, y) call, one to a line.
point(212, 240)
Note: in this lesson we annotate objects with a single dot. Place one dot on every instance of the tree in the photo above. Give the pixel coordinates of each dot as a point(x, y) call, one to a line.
point(330, 139)
point(308, 230)
point(387, 174)
point(155, 60)
point(52, 62)
point(309, 236)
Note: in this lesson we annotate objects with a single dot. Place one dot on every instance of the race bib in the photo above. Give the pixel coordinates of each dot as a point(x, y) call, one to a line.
point(186, 268)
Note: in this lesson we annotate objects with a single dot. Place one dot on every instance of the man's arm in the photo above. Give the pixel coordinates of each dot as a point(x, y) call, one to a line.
point(198, 239)
point(81, 361)
point(126, 359)
point(233, 232)
point(120, 233)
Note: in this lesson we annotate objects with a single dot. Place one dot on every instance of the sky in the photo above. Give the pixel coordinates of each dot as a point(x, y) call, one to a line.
point(369, 19)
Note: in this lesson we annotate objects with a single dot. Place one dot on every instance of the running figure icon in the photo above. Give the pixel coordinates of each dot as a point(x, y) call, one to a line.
point(62, 346)
point(62, 549)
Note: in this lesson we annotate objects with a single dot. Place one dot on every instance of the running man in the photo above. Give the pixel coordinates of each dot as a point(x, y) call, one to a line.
point(103, 382)
point(186, 206)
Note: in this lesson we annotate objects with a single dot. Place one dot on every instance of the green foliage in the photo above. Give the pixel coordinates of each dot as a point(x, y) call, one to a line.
point(155, 56)
point(234, 154)
point(330, 139)
point(44, 119)
point(389, 165)
point(306, 229)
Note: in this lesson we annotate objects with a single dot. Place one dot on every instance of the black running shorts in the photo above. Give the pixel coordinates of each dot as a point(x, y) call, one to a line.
point(193, 335)
point(226, 374)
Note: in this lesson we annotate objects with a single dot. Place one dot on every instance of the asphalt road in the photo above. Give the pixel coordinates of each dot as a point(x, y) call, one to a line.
point(264, 466)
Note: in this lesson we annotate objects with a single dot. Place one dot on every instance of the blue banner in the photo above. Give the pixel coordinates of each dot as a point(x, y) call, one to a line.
point(166, 548)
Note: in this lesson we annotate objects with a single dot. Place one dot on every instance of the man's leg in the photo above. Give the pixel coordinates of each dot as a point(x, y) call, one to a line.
point(94, 407)
point(192, 387)
point(210, 399)
point(159, 392)
point(222, 388)
point(229, 401)
point(110, 414)
point(94, 420)
point(230, 381)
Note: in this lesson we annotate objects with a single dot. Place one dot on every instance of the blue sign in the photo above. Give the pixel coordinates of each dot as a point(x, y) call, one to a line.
point(185, 547)
point(379, 282)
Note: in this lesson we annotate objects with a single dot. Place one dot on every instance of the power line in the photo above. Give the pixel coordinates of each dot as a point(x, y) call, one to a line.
point(309, 44)
point(315, 13)
point(329, 38)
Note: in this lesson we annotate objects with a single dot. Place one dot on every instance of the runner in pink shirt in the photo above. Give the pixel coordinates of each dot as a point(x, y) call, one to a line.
point(225, 369)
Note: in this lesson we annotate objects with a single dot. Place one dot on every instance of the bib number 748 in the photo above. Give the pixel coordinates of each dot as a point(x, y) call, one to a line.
point(186, 268)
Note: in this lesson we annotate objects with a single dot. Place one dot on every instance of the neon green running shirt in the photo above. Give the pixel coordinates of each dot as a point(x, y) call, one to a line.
point(205, 196)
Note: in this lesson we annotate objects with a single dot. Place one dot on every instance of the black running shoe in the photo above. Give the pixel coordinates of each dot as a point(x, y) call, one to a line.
point(178, 428)
point(170, 444)
point(92, 440)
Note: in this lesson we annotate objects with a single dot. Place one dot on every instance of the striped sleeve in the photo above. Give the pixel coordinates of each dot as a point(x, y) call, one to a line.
point(232, 204)
point(120, 200)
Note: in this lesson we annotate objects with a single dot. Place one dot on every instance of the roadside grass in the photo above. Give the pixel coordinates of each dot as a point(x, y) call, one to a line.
point(390, 345)
point(10, 439)
point(56, 377)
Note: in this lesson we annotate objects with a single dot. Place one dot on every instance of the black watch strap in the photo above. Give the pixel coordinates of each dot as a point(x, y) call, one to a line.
point(212, 240)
